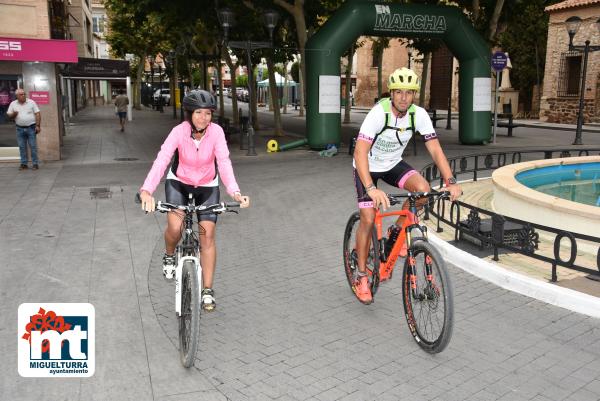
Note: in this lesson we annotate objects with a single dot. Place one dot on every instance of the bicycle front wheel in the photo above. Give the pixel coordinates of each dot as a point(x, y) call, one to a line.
point(428, 298)
point(189, 321)
point(351, 257)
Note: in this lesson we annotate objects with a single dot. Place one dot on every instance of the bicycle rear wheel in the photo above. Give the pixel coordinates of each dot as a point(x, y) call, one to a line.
point(429, 306)
point(351, 258)
point(189, 321)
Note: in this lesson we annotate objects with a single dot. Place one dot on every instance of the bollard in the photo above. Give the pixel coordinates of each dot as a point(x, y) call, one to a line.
point(449, 119)
point(251, 150)
point(244, 132)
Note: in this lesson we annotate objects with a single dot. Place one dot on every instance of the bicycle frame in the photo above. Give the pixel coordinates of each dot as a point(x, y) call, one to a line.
point(187, 249)
point(411, 222)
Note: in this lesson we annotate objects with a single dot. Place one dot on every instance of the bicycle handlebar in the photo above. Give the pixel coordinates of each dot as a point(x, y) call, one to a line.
point(217, 208)
point(397, 198)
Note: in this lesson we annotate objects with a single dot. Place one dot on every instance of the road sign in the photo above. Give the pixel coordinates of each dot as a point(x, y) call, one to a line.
point(499, 61)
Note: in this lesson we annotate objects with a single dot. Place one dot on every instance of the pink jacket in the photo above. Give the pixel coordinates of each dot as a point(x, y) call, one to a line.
point(196, 166)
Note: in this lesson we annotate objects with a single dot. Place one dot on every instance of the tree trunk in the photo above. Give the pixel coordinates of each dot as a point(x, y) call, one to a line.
point(494, 19)
point(476, 10)
point(297, 11)
point(274, 97)
point(348, 107)
point(137, 104)
point(422, 92)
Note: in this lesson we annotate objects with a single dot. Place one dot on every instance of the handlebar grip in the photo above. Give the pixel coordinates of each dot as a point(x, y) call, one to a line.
point(138, 198)
point(231, 204)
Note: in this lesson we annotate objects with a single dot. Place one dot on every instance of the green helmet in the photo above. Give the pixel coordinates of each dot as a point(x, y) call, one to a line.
point(404, 78)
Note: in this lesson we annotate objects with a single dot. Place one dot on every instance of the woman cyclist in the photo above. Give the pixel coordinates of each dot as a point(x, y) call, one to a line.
point(383, 136)
point(196, 144)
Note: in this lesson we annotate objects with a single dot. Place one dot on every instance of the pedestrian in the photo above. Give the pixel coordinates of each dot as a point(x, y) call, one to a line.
point(121, 102)
point(28, 120)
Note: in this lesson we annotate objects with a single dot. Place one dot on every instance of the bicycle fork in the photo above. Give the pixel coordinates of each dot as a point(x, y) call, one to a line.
point(178, 279)
point(428, 291)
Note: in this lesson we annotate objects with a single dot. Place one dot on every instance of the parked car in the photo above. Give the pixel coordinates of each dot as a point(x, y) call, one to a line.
point(166, 95)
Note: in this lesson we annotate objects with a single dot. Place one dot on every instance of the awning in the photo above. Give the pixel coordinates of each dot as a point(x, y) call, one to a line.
point(44, 50)
point(279, 81)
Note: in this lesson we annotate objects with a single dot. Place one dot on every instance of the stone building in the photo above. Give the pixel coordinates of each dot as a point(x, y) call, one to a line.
point(441, 86)
point(562, 77)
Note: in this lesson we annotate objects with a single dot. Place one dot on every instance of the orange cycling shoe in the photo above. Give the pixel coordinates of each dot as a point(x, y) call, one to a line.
point(362, 290)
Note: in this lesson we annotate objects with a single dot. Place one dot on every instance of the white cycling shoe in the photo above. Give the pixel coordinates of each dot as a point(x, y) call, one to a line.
point(169, 264)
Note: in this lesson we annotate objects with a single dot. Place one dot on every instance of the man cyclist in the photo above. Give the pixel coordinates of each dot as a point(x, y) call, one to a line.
point(197, 144)
point(383, 136)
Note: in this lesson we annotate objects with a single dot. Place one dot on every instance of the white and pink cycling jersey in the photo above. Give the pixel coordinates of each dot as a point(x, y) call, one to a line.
point(386, 152)
point(196, 163)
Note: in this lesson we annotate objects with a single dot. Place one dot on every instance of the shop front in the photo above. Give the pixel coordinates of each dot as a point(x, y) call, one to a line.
point(34, 65)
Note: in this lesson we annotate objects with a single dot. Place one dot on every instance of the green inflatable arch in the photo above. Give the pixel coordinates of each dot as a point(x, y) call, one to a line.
point(364, 17)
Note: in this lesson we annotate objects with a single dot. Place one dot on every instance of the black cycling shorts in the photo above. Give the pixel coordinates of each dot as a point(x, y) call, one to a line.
point(396, 177)
point(177, 193)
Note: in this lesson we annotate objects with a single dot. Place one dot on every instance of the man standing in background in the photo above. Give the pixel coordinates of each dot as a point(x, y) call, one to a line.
point(121, 102)
point(28, 120)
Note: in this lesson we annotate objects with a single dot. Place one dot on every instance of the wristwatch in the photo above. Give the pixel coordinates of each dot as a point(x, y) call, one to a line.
point(450, 181)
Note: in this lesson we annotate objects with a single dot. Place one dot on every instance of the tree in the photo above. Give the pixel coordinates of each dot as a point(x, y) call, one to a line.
point(132, 29)
point(525, 39)
point(308, 15)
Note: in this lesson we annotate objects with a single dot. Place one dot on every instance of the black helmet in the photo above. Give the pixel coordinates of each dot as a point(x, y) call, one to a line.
point(199, 99)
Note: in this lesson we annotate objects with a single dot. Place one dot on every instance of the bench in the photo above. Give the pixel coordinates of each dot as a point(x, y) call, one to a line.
point(506, 124)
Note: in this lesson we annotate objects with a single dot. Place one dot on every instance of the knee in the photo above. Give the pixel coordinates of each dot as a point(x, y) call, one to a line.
point(207, 241)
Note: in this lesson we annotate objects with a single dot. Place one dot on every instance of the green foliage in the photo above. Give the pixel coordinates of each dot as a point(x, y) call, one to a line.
point(525, 40)
point(241, 81)
point(295, 71)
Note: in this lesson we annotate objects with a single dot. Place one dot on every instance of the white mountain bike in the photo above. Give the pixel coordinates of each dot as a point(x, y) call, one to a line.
point(188, 274)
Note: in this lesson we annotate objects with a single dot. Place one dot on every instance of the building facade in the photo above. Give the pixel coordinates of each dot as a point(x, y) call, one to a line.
point(34, 46)
point(564, 68)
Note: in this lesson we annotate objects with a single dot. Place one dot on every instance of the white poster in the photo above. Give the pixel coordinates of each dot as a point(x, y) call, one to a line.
point(482, 94)
point(329, 94)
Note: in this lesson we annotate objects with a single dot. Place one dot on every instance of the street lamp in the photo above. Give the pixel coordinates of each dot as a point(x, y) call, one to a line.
point(227, 20)
point(151, 62)
point(573, 23)
point(171, 61)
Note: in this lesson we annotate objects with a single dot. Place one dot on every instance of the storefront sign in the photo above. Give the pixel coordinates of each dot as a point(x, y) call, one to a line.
point(98, 68)
point(54, 51)
point(40, 97)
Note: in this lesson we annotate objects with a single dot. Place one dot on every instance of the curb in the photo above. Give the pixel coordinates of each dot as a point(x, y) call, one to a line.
point(519, 283)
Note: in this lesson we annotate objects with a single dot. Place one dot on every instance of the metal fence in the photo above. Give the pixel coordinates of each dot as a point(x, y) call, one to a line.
point(488, 229)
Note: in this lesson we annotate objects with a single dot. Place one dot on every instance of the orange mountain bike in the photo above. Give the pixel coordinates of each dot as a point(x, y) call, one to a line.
point(426, 287)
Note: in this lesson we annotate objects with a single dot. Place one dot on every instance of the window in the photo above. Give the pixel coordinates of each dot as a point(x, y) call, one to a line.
point(375, 62)
point(98, 24)
point(569, 77)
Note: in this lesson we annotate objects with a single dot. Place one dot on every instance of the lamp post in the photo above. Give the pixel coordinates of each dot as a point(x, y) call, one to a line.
point(227, 20)
point(573, 23)
point(171, 61)
point(151, 62)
